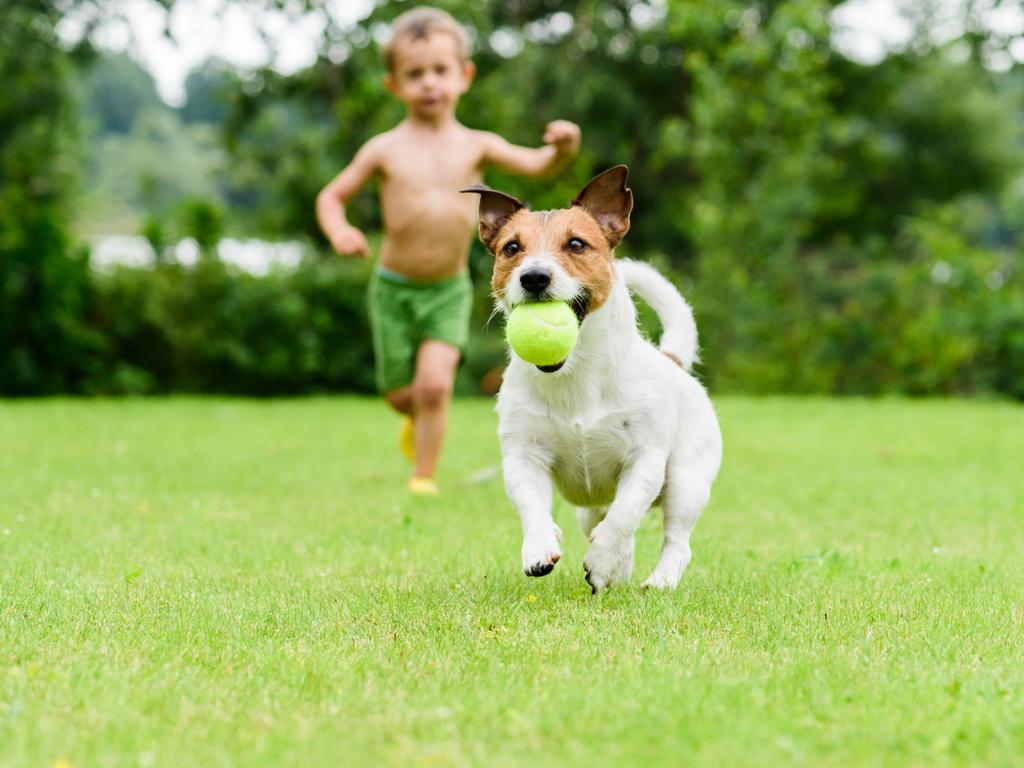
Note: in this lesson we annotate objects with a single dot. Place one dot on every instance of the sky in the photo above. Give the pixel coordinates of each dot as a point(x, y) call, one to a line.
point(249, 37)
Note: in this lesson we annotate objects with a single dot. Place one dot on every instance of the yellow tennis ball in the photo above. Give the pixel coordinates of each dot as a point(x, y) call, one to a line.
point(542, 332)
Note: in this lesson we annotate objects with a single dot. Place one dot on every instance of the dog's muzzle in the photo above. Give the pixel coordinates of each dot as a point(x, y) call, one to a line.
point(535, 281)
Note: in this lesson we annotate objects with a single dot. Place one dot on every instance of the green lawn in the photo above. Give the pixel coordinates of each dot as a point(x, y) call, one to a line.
point(220, 582)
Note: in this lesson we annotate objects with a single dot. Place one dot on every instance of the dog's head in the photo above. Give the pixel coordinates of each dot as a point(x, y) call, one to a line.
point(563, 255)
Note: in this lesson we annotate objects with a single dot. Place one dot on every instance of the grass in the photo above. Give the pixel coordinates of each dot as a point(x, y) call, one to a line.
point(221, 582)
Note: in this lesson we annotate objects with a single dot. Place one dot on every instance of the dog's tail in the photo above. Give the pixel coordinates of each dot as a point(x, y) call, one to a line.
point(679, 330)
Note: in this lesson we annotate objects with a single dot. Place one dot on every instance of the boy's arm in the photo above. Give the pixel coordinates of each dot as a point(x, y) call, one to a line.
point(563, 143)
point(330, 203)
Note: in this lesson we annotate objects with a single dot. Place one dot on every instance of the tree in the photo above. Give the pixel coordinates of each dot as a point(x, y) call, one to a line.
point(115, 90)
point(209, 91)
point(44, 283)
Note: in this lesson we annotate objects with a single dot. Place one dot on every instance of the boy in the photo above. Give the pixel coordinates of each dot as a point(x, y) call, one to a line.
point(420, 295)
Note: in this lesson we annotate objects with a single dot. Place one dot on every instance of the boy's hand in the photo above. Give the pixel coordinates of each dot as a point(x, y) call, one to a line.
point(564, 136)
point(350, 241)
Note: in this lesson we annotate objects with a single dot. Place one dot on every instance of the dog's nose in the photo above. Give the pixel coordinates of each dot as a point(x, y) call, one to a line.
point(535, 280)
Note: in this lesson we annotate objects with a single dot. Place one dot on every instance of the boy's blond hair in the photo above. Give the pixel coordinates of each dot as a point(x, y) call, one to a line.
point(420, 22)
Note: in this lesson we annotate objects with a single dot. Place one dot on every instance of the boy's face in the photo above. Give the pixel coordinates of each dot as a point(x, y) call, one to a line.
point(428, 74)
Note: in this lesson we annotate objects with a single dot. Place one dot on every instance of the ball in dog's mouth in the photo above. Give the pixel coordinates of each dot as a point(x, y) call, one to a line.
point(579, 305)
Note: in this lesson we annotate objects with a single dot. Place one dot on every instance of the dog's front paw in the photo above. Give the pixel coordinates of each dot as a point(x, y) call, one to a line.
point(541, 552)
point(609, 559)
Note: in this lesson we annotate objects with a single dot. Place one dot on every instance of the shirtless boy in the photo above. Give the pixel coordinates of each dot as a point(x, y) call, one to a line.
point(420, 295)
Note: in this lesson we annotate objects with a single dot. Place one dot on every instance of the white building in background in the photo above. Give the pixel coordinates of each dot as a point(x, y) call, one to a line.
point(257, 257)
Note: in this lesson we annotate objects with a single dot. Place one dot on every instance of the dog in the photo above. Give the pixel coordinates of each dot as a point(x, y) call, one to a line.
point(620, 425)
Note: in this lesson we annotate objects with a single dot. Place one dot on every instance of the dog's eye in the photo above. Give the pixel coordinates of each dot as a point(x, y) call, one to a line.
point(511, 248)
point(577, 246)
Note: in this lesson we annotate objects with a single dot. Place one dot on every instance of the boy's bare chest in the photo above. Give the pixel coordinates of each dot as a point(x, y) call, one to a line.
point(447, 165)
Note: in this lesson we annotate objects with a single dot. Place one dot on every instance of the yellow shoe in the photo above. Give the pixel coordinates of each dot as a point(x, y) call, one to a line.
point(407, 438)
point(423, 486)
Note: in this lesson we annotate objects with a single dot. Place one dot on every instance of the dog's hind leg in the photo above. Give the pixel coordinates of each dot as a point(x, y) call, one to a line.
point(686, 495)
point(588, 517)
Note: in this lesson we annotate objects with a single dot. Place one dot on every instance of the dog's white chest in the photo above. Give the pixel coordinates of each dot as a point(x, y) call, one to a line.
point(588, 457)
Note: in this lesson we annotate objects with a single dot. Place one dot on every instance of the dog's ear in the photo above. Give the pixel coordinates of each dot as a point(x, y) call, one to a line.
point(607, 198)
point(495, 209)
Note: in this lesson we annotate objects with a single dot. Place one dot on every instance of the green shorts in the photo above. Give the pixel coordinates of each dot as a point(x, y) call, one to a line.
point(404, 313)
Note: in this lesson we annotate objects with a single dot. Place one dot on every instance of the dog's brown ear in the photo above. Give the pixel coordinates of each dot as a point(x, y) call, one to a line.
point(495, 209)
point(607, 198)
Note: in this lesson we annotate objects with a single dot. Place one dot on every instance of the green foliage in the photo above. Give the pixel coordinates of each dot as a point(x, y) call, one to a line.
point(144, 160)
point(44, 279)
point(209, 91)
point(203, 220)
point(149, 171)
point(212, 329)
point(786, 186)
point(114, 90)
point(808, 205)
point(156, 235)
point(949, 313)
point(914, 130)
point(284, 141)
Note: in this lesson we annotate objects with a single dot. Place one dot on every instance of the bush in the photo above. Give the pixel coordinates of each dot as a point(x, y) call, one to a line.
point(44, 283)
point(936, 317)
point(213, 329)
point(929, 314)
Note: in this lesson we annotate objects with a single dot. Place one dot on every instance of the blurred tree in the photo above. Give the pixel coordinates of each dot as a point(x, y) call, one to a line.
point(113, 91)
point(902, 123)
point(745, 100)
point(156, 235)
point(202, 220)
point(147, 171)
point(45, 346)
point(209, 91)
point(761, 159)
point(852, 228)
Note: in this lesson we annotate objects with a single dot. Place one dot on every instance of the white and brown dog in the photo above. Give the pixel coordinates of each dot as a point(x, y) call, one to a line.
point(620, 425)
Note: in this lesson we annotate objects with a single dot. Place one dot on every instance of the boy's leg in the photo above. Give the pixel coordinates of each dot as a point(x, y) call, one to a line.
point(436, 362)
point(391, 324)
point(401, 400)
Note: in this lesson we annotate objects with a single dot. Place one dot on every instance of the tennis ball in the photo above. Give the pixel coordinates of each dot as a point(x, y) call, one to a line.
point(542, 332)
